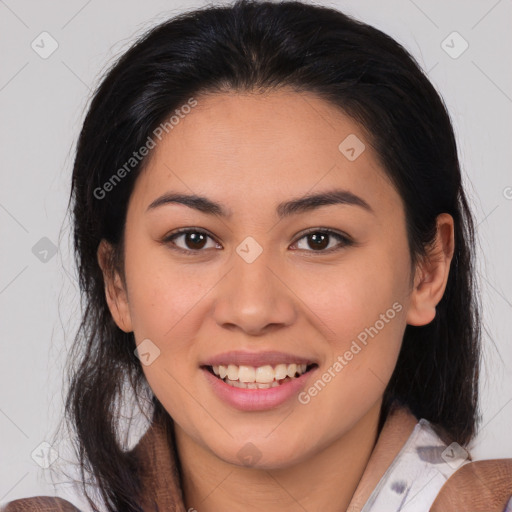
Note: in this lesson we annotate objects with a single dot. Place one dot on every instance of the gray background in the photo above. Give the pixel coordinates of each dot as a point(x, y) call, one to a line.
point(42, 104)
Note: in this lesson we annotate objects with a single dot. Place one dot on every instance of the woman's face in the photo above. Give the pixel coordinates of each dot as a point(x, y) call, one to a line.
point(250, 288)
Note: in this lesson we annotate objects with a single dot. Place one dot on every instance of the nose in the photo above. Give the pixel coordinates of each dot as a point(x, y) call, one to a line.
point(254, 297)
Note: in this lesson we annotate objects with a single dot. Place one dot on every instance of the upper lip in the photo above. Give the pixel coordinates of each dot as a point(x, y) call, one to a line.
point(272, 358)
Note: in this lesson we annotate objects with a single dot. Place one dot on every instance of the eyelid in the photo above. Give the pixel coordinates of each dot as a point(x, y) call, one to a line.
point(321, 229)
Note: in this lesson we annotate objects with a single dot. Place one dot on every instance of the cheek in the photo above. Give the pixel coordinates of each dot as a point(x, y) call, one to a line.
point(163, 296)
point(168, 304)
point(355, 375)
point(362, 316)
point(352, 298)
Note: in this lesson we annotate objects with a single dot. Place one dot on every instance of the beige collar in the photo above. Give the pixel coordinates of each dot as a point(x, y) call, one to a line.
point(396, 430)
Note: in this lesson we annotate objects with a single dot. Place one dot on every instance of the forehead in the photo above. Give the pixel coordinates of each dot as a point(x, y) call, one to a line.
point(235, 146)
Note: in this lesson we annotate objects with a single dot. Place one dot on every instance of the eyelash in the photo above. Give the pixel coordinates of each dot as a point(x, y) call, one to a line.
point(345, 241)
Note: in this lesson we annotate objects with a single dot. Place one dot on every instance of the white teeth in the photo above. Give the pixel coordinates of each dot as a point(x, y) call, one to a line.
point(247, 374)
point(265, 374)
point(281, 371)
point(232, 372)
point(252, 385)
point(261, 377)
point(292, 370)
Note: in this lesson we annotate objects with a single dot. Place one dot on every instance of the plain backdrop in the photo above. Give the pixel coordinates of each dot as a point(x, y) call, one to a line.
point(42, 104)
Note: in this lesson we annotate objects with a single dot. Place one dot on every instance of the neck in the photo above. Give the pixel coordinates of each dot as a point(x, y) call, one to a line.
point(325, 481)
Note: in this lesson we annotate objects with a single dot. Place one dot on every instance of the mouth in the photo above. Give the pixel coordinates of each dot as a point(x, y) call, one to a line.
point(259, 377)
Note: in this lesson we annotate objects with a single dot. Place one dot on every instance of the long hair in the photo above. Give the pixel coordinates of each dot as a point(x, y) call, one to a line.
point(262, 46)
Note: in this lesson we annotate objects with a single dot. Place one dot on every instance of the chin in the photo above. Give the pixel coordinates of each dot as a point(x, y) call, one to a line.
point(261, 453)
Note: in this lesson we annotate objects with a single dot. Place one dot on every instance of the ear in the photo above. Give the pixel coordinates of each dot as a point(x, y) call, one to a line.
point(115, 292)
point(432, 275)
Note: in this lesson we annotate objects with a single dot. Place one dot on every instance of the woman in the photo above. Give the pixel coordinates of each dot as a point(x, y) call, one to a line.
point(275, 247)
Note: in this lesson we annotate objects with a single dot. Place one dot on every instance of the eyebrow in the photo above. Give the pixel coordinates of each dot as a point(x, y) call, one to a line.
point(284, 209)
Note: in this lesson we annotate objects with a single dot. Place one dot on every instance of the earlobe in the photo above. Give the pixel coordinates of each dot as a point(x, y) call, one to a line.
point(432, 274)
point(115, 292)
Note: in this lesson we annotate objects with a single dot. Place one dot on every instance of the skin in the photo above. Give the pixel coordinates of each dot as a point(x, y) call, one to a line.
point(250, 152)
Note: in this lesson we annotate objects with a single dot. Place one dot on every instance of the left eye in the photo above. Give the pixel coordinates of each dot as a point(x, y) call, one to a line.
point(319, 239)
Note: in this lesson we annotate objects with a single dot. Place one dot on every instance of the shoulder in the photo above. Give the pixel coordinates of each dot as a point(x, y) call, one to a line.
point(480, 486)
point(39, 504)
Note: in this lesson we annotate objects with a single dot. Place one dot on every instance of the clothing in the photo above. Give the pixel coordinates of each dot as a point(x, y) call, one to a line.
point(410, 470)
point(416, 475)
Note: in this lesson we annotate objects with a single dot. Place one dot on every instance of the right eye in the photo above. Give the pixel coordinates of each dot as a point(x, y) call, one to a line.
point(193, 237)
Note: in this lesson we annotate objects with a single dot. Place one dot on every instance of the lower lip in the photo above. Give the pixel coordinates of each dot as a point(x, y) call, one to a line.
point(257, 399)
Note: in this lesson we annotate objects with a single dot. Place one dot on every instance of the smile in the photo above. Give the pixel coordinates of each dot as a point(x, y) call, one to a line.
point(261, 377)
point(258, 388)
